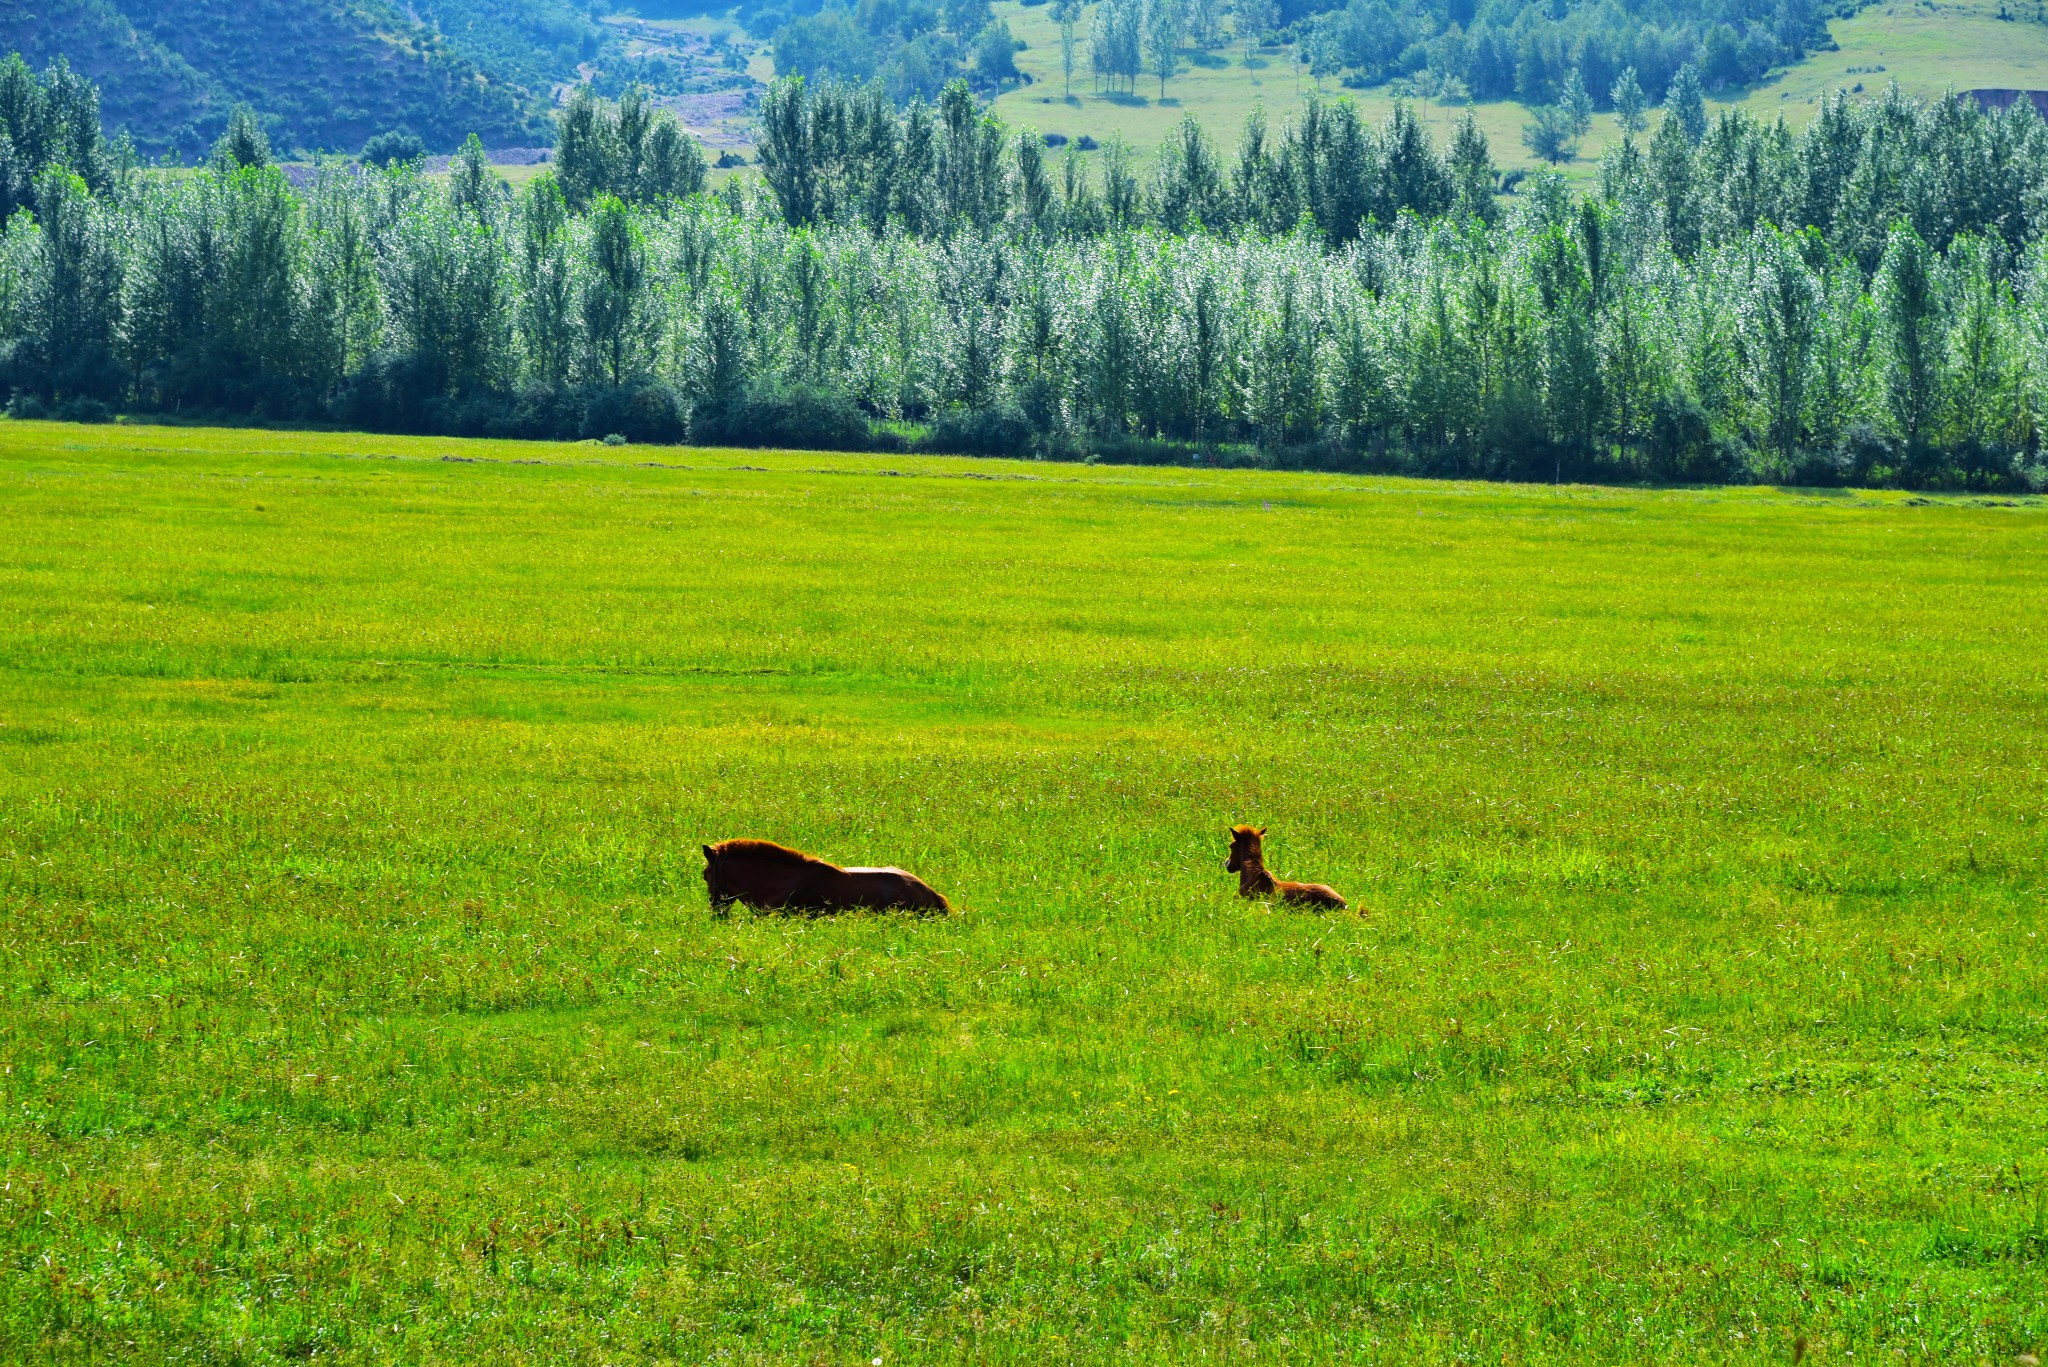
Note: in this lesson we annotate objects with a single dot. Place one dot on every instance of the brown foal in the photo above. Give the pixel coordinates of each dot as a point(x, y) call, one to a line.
point(1247, 861)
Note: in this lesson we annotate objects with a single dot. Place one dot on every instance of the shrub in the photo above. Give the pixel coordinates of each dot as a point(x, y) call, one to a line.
point(997, 430)
point(1683, 447)
point(398, 147)
point(775, 415)
point(643, 411)
point(83, 410)
point(1867, 453)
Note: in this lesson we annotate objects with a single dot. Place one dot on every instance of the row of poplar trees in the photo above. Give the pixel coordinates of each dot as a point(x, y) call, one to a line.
point(1864, 301)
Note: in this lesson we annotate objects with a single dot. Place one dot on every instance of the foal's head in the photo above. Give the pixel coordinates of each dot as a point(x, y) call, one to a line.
point(1245, 847)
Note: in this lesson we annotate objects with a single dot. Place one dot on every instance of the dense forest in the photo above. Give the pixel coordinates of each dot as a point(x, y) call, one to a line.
point(1864, 301)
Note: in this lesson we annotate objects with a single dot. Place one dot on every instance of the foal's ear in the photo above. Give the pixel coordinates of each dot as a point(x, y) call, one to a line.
point(708, 855)
point(1260, 831)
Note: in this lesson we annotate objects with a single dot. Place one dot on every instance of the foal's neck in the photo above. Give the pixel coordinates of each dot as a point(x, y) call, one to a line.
point(1252, 875)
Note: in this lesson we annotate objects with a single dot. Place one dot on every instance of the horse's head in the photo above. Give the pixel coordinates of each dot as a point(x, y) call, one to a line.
point(1245, 847)
point(720, 899)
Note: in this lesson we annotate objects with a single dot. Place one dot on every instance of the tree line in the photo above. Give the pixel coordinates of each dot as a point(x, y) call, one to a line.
point(1528, 49)
point(1866, 301)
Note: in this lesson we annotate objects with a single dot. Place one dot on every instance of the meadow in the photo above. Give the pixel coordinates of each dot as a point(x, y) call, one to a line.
point(1929, 48)
point(359, 999)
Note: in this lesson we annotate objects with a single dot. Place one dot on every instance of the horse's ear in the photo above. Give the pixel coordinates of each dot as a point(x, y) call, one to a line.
point(708, 855)
point(1260, 831)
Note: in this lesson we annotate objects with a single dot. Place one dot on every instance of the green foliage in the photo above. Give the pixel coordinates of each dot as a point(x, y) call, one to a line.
point(1685, 105)
point(325, 74)
point(1116, 43)
point(995, 55)
point(632, 150)
point(1551, 134)
point(912, 47)
point(1631, 105)
point(1067, 14)
point(360, 972)
point(1529, 51)
point(45, 123)
point(396, 147)
point(1165, 26)
point(532, 44)
point(1339, 294)
point(1576, 104)
point(244, 144)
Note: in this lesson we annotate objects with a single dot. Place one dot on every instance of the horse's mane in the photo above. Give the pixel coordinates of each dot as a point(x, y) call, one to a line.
point(765, 849)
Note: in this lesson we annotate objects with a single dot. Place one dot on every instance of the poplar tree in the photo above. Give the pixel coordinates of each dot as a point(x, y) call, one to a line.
point(1164, 21)
point(1685, 105)
point(1067, 14)
point(1631, 106)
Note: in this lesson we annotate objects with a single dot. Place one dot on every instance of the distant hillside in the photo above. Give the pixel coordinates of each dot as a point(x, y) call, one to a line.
point(323, 73)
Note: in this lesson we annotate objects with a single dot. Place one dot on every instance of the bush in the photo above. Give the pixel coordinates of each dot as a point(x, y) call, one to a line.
point(1055, 139)
point(1086, 143)
point(391, 393)
point(83, 410)
point(645, 411)
point(997, 430)
point(395, 148)
point(795, 415)
point(1683, 447)
point(27, 407)
point(1867, 454)
point(1822, 469)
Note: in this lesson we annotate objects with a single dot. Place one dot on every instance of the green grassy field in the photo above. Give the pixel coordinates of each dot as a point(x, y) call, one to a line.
point(1927, 48)
point(359, 1000)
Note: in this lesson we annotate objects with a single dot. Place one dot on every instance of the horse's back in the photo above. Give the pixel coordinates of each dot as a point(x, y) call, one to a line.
point(775, 877)
point(893, 887)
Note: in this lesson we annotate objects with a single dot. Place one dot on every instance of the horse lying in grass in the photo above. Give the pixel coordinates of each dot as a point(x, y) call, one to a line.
point(1248, 862)
point(771, 877)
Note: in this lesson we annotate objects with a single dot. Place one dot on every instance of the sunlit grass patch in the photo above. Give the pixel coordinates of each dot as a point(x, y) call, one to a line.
point(360, 1000)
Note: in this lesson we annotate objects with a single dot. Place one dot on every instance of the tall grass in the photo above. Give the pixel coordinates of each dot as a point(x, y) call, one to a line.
point(359, 1000)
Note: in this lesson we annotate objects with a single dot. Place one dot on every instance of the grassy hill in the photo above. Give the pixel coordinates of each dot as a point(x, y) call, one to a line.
point(360, 1001)
point(1927, 47)
point(324, 73)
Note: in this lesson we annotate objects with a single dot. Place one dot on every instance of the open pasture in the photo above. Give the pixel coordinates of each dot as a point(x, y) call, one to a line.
point(1929, 48)
point(359, 999)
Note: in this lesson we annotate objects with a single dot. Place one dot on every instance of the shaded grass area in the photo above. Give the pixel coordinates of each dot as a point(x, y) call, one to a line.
point(359, 1000)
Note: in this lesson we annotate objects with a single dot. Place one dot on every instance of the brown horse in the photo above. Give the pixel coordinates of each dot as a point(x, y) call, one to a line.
point(774, 877)
point(1247, 861)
